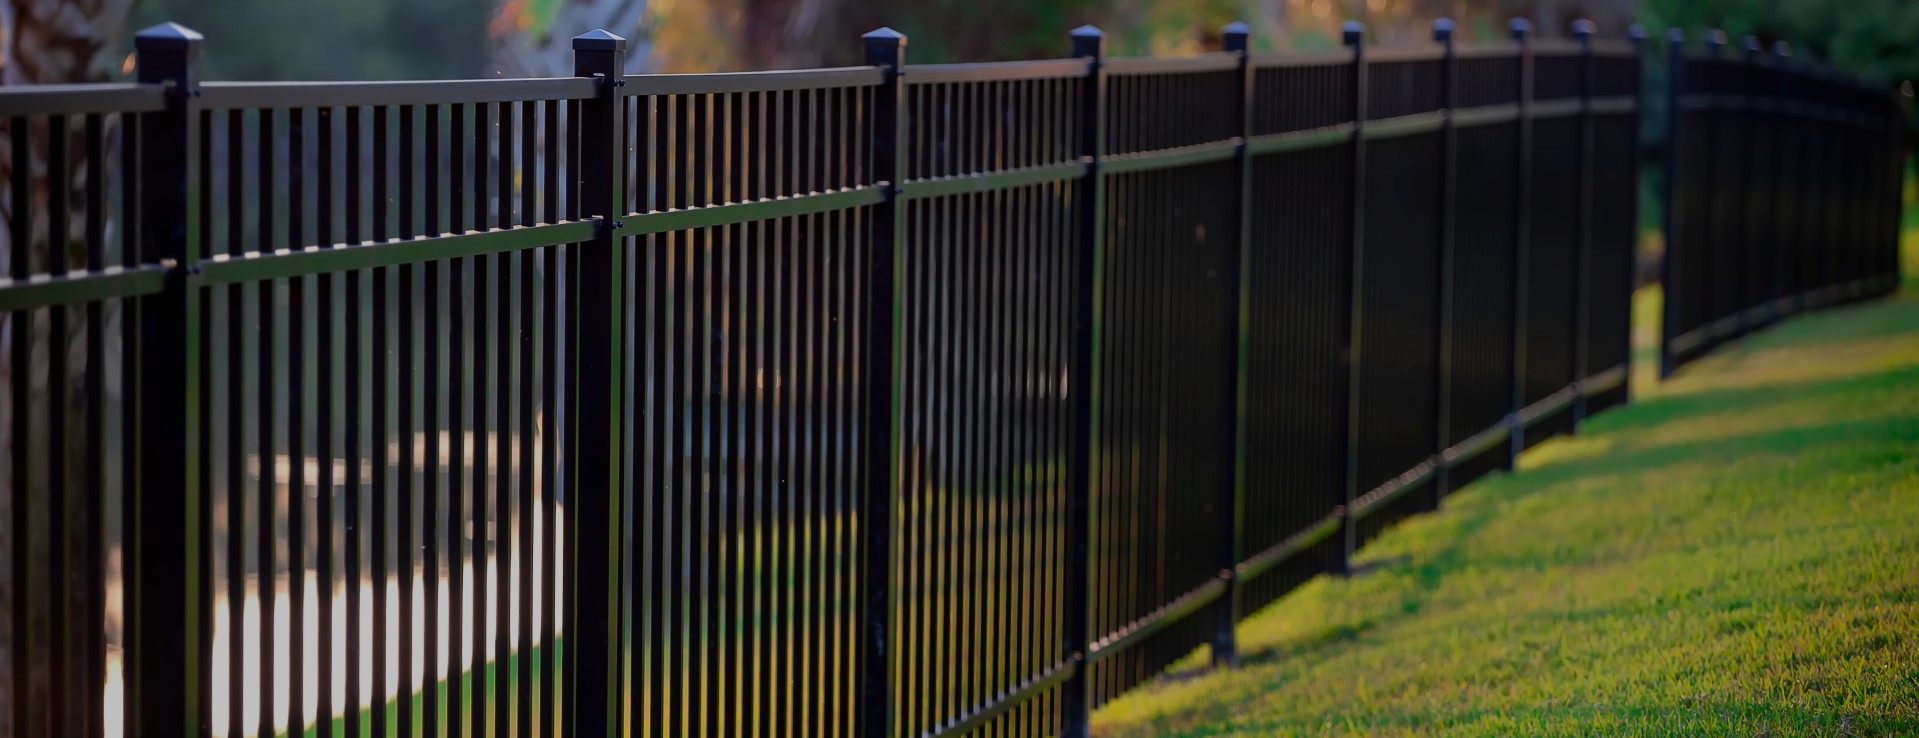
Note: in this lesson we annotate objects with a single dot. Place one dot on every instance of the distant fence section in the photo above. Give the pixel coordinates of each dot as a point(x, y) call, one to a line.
point(883, 401)
point(1782, 188)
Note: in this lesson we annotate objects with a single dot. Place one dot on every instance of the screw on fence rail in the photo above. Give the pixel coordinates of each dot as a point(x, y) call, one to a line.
point(167, 616)
point(1670, 271)
point(1353, 34)
point(1089, 43)
point(1521, 31)
point(1238, 40)
point(1443, 315)
point(879, 598)
point(593, 552)
point(1583, 30)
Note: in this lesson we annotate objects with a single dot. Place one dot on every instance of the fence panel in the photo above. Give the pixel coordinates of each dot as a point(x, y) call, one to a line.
point(383, 447)
point(1552, 243)
point(1611, 265)
point(1168, 327)
point(69, 426)
point(1485, 242)
point(1298, 331)
point(1397, 335)
point(1777, 197)
point(988, 303)
point(750, 224)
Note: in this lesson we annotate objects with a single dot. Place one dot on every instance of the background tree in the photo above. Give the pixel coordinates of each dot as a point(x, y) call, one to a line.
point(45, 43)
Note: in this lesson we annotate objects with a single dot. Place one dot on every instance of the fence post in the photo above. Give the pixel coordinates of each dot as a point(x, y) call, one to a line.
point(1899, 116)
point(1239, 38)
point(1669, 271)
point(1637, 33)
point(1089, 206)
point(1448, 221)
point(1522, 239)
point(1758, 71)
point(1737, 221)
point(593, 537)
point(167, 676)
point(1582, 258)
point(1353, 34)
point(879, 576)
point(1712, 272)
point(1784, 132)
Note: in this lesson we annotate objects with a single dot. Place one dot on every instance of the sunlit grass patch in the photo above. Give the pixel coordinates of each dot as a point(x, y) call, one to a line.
point(1735, 554)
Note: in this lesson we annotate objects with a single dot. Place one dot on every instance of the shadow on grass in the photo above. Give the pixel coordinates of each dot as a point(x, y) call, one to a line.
point(1623, 466)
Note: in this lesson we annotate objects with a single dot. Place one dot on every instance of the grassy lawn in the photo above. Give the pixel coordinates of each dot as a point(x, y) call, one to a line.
point(1736, 554)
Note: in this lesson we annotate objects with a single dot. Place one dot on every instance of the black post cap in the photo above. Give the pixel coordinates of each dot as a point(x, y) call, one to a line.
point(599, 39)
point(1088, 40)
point(1238, 36)
point(168, 35)
point(1442, 29)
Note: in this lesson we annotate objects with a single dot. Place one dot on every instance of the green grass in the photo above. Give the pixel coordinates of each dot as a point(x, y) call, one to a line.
point(1736, 554)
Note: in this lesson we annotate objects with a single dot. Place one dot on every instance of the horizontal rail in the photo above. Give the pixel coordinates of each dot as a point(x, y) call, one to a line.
point(1157, 620)
point(1565, 107)
point(995, 71)
point(81, 287)
point(1705, 102)
point(1485, 115)
point(1691, 341)
point(990, 181)
point(1258, 563)
point(1311, 138)
point(1614, 48)
point(724, 82)
point(1405, 125)
point(1404, 54)
point(1486, 51)
point(1476, 444)
point(1620, 105)
point(289, 263)
point(1134, 65)
point(1026, 690)
point(1394, 488)
point(1183, 156)
point(1603, 381)
point(231, 95)
point(666, 221)
point(20, 100)
point(1555, 47)
point(1548, 406)
point(1293, 61)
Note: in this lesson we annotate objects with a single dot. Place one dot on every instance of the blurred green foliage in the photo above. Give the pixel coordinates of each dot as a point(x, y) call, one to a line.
point(1876, 39)
point(333, 39)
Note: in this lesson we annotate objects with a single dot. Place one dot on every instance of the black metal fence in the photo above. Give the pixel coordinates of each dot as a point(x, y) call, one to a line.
point(888, 400)
point(1782, 193)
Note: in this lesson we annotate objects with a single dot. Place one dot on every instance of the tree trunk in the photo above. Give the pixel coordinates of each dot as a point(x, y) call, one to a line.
point(47, 42)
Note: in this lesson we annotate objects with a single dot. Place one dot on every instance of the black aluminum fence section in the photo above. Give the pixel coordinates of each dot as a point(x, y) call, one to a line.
point(750, 200)
point(876, 401)
point(1782, 188)
point(74, 279)
point(990, 263)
